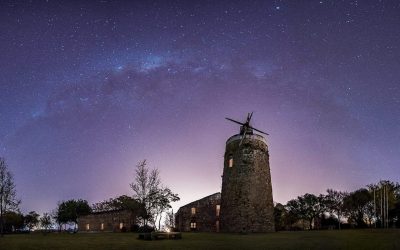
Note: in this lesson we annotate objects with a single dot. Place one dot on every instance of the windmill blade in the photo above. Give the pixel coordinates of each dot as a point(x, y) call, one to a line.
point(251, 115)
point(234, 121)
point(258, 130)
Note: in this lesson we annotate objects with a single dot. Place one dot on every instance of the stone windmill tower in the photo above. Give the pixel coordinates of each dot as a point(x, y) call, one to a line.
point(246, 196)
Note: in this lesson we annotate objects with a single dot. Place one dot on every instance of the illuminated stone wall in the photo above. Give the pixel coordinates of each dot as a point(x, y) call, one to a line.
point(107, 221)
point(246, 196)
point(205, 217)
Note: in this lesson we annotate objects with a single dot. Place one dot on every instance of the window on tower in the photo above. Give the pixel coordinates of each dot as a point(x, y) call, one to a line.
point(217, 208)
point(193, 225)
point(193, 210)
point(230, 161)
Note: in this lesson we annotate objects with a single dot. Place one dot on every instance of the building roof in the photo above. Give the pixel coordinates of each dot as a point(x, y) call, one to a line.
point(106, 212)
point(215, 195)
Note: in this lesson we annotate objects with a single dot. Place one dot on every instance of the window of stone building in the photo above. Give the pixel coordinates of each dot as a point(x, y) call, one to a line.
point(121, 225)
point(102, 226)
point(217, 226)
point(230, 161)
point(193, 225)
point(193, 210)
point(87, 227)
point(217, 208)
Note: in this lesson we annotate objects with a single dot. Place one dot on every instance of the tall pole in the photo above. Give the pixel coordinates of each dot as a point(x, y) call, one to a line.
point(384, 209)
point(384, 206)
point(381, 189)
point(386, 215)
point(374, 208)
point(387, 207)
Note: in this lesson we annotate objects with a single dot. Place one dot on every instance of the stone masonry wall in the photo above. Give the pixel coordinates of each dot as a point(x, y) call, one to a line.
point(246, 199)
point(111, 221)
point(205, 217)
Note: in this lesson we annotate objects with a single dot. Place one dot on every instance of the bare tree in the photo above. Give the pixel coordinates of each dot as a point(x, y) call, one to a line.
point(145, 186)
point(151, 194)
point(8, 200)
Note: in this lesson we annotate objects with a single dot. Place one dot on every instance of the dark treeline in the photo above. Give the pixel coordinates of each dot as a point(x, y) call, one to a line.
point(375, 206)
point(150, 200)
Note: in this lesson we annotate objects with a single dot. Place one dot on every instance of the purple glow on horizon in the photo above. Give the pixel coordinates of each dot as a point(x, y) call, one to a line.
point(90, 89)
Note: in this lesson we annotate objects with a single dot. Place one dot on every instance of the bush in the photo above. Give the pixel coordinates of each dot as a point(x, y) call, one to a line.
point(145, 229)
point(134, 228)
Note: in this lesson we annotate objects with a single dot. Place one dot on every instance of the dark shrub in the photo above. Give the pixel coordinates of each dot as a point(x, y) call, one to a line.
point(134, 228)
point(145, 229)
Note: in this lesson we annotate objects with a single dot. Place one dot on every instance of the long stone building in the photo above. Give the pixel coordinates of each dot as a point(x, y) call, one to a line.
point(245, 204)
point(109, 221)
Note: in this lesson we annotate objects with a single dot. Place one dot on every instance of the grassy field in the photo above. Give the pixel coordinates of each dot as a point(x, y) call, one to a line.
point(345, 239)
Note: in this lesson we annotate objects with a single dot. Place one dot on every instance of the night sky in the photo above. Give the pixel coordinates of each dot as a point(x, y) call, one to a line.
point(90, 88)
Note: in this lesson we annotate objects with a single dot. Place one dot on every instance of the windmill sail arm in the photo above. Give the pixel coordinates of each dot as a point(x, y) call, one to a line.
point(234, 121)
point(246, 125)
point(258, 130)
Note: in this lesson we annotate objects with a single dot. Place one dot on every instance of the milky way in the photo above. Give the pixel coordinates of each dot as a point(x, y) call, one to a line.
point(88, 89)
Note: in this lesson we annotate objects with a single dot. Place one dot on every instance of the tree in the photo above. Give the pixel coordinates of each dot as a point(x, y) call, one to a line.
point(396, 213)
point(56, 218)
point(8, 200)
point(69, 211)
point(295, 209)
point(307, 207)
point(290, 219)
point(46, 222)
point(162, 200)
point(385, 194)
point(31, 220)
point(334, 202)
point(169, 220)
point(149, 192)
point(279, 216)
point(122, 202)
point(356, 205)
point(13, 221)
point(146, 183)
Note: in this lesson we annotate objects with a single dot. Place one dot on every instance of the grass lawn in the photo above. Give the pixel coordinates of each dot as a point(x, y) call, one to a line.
point(345, 239)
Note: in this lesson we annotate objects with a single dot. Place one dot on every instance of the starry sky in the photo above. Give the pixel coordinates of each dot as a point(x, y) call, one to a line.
point(90, 88)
